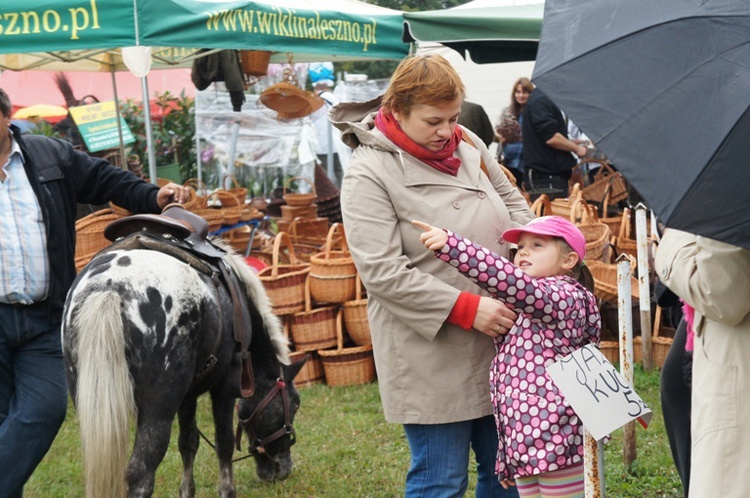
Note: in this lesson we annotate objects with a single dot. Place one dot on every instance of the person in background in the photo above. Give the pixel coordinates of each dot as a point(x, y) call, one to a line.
point(432, 333)
point(328, 139)
point(546, 147)
point(508, 129)
point(474, 117)
point(552, 292)
point(41, 180)
point(711, 279)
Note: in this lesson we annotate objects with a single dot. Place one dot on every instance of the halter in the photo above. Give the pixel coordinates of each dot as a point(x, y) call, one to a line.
point(258, 445)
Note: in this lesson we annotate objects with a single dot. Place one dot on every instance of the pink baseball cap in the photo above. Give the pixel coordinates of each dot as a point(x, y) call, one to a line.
point(553, 226)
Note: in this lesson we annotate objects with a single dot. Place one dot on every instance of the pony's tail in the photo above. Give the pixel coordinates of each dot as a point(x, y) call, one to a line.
point(104, 395)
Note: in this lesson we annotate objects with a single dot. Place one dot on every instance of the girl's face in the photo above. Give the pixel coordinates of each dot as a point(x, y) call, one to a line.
point(430, 126)
point(542, 256)
point(521, 94)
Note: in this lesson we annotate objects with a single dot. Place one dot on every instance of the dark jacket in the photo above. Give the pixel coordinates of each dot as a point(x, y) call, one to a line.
point(541, 120)
point(61, 177)
point(475, 118)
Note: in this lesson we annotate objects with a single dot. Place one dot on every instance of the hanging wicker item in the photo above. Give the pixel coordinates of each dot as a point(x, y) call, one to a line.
point(286, 101)
point(332, 272)
point(255, 62)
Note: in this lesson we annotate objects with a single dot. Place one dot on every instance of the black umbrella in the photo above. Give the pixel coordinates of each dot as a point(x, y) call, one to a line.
point(663, 88)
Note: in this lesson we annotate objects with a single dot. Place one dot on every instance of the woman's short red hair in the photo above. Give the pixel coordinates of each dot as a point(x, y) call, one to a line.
point(422, 79)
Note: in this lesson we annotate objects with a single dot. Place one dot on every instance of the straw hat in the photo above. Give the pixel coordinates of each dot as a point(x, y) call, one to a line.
point(286, 101)
point(289, 101)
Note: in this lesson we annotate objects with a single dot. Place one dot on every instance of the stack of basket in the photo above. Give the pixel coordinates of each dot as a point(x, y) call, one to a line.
point(333, 295)
point(90, 235)
point(329, 196)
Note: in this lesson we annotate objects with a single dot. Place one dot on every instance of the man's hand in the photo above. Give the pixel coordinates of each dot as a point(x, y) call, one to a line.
point(171, 192)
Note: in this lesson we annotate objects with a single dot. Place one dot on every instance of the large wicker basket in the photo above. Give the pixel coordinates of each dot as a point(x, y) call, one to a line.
point(332, 272)
point(313, 329)
point(624, 244)
point(285, 284)
point(355, 317)
point(562, 207)
point(90, 235)
point(312, 372)
point(607, 183)
point(312, 231)
point(347, 366)
point(660, 342)
point(296, 199)
point(597, 234)
point(605, 279)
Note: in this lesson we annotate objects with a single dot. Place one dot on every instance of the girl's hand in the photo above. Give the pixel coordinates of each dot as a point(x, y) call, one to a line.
point(433, 238)
point(506, 483)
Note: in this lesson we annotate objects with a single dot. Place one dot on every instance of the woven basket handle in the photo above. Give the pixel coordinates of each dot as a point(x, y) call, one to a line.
point(575, 193)
point(625, 224)
point(579, 213)
point(308, 300)
point(541, 205)
point(336, 228)
point(231, 177)
point(197, 184)
point(657, 321)
point(281, 237)
point(312, 185)
point(339, 330)
point(225, 194)
point(358, 284)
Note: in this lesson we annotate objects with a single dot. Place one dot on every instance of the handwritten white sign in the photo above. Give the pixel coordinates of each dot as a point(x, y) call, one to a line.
point(600, 396)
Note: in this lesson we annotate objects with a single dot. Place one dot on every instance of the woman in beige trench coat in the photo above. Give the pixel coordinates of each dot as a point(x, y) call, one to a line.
point(432, 329)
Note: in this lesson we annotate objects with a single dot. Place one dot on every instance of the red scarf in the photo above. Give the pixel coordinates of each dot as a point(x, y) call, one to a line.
point(441, 160)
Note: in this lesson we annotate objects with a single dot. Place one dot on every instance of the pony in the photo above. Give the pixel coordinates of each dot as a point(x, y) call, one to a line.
point(144, 334)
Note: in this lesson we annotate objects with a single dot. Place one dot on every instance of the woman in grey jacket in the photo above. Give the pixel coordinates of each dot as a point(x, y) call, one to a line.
point(432, 330)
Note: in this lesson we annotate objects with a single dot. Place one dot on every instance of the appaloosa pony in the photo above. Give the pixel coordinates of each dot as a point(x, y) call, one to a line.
point(144, 334)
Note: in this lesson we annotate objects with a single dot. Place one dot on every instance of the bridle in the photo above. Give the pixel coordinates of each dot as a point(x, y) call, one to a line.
point(258, 445)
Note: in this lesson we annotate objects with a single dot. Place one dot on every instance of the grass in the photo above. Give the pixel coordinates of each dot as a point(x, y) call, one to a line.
point(346, 449)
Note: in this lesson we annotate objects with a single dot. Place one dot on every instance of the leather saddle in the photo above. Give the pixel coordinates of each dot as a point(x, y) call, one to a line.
point(184, 235)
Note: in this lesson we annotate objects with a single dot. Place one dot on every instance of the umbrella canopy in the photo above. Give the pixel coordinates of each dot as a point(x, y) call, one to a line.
point(665, 96)
point(41, 111)
point(490, 32)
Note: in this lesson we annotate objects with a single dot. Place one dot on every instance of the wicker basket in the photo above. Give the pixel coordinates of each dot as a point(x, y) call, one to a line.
point(597, 234)
point(562, 207)
point(332, 272)
point(90, 235)
point(305, 231)
point(255, 62)
point(610, 350)
point(541, 206)
point(295, 199)
point(624, 244)
point(607, 183)
point(289, 213)
point(605, 278)
point(312, 372)
point(347, 366)
point(236, 190)
point(313, 329)
point(285, 284)
point(355, 318)
point(660, 342)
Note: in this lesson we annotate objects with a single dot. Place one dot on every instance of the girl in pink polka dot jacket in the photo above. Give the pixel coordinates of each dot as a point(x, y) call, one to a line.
point(541, 437)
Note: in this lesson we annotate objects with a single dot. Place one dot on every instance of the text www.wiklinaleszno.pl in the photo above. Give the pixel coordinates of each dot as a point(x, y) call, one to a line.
point(287, 23)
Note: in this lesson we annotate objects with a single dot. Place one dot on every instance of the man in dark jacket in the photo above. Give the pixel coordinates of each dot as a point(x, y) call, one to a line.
point(474, 117)
point(547, 150)
point(41, 181)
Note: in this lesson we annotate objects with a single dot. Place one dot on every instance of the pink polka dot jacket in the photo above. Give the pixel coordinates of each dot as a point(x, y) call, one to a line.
point(539, 432)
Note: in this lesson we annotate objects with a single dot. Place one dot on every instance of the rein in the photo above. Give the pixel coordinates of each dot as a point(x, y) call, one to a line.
point(256, 444)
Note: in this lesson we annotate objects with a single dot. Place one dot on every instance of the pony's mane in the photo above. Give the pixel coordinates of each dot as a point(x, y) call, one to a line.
point(257, 293)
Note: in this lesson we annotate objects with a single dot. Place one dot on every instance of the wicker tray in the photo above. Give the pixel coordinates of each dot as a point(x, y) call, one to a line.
point(347, 366)
point(285, 284)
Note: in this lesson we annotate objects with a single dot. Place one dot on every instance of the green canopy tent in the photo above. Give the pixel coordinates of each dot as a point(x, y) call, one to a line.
point(87, 35)
point(490, 32)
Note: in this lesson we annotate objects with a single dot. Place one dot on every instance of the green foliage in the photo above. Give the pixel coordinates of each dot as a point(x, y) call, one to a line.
point(44, 128)
point(345, 448)
point(173, 136)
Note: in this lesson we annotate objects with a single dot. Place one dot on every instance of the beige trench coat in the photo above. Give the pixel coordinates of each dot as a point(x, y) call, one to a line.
point(429, 372)
point(714, 278)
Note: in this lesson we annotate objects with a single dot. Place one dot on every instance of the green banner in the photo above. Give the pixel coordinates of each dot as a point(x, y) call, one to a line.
point(46, 26)
point(369, 31)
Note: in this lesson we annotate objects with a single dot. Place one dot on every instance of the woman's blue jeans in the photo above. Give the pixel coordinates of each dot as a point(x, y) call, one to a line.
point(33, 392)
point(440, 459)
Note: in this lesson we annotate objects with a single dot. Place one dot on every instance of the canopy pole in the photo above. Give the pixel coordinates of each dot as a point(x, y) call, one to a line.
point(149, 137)
point(124, 164)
